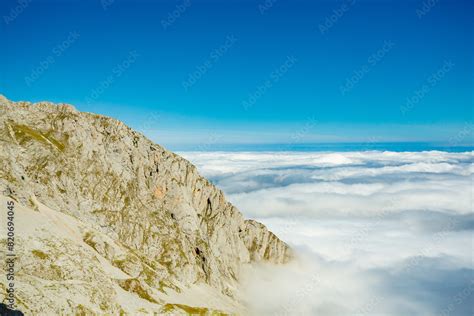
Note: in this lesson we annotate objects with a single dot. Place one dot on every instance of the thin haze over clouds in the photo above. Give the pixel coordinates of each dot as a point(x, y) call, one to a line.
point(376, 233)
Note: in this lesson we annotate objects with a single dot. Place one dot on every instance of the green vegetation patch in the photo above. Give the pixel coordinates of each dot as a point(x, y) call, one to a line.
point(134, 286)
point(24, 133)
point(40, 254)
point(202, 311)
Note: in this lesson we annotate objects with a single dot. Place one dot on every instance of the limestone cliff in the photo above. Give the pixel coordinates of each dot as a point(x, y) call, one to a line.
point(107, 222)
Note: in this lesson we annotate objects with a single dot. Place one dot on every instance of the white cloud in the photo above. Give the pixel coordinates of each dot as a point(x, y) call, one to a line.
point(383, 233)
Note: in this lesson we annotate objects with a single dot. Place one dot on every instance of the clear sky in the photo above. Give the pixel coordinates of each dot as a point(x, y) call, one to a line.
point(187, 71)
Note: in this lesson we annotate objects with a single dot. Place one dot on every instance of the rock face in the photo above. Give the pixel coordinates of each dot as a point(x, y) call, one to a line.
point(107, 222)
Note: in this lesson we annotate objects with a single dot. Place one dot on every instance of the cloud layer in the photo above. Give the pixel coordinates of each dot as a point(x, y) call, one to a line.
point(378, 233)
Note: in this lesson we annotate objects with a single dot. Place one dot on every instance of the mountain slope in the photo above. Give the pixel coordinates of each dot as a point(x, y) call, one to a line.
point(109, 222)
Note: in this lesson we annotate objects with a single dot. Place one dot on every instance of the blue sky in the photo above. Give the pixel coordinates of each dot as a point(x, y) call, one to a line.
point(272, 71)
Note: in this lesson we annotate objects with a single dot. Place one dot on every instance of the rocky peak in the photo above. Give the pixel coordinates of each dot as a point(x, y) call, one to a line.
point(105, 212)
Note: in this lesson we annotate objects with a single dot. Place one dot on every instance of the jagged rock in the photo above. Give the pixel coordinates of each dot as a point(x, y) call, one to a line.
point(109, 222)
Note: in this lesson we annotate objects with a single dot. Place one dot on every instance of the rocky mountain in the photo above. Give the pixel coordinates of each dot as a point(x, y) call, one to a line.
point(108, 222)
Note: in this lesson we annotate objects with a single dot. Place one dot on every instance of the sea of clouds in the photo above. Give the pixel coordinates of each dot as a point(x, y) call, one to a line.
point(376, 233)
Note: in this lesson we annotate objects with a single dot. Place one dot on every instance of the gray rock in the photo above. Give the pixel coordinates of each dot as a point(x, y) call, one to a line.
point(108, 220)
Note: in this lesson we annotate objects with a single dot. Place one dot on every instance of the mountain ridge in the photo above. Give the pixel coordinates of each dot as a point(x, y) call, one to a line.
point(141, 218)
